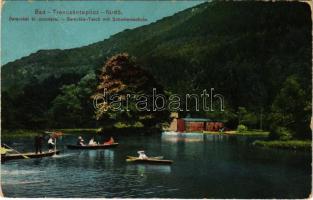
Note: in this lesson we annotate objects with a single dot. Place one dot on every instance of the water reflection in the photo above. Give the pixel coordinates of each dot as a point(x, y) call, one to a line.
point(103, 157)
point(175, 137)
point(37, 162)
point(205, 166)
point(182, 137)
point(220, 138)
point(108, 158)
point(142, 169)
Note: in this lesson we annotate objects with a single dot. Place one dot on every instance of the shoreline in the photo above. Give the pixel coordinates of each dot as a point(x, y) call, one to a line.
point(301, 145)
point(236, 133)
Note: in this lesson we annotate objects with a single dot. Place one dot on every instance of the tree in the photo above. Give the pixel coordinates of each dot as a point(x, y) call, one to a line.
point(73, 106)
point(291, 109)
point(242, 111)
point(126, 94)
point(246, 117)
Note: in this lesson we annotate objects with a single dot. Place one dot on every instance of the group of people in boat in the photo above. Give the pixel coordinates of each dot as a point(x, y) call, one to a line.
point(39, 141)
point(92, 142)
point(81, 142)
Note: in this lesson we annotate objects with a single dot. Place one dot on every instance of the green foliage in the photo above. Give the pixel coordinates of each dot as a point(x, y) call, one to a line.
point(249, 133)
point(291, 109)
point(253, 133)
point(241, 113)
point(250, 119)
point(305, 145)
point(280, 133)
point(247, 118)
point(242, 128)
point(73, 106)
point(18, 133)
point(123, 125)
point(29, 109)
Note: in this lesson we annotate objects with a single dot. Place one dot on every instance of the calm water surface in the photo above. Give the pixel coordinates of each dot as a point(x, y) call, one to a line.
point(205, 166)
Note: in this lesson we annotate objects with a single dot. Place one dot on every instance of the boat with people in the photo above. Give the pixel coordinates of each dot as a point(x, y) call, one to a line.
point(144, 159)
point(155, 157)
point(80, 144)
point(15, 156)
point(151, 160)
point(94, 146)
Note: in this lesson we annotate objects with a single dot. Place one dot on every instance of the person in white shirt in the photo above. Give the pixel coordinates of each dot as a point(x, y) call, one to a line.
point(92, 141)
point(142, 155)
point(51, 144)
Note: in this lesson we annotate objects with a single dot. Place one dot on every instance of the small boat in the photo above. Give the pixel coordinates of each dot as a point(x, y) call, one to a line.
point(7, 157)
point(150, 160)
point(156, 157)
point(98, 146)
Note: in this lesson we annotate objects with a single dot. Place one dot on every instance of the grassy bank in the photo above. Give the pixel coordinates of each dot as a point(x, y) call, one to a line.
point(290, 144)
point(33, 133)
point(79, 131)
point(245, 133)
point(19, 133)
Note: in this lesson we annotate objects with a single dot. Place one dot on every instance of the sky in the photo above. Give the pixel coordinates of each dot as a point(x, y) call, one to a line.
point(20, 38)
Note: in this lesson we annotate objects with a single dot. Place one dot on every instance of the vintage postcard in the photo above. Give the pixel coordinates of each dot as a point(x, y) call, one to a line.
point(156, 99)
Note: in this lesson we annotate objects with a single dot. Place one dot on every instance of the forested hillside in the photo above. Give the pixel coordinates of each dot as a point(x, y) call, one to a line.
point(247, 51)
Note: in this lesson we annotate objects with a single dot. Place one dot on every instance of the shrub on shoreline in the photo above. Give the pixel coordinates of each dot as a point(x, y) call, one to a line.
point(288, 144)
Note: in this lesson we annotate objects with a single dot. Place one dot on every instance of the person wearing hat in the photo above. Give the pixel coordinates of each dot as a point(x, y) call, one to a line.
point(80, 141)
point(142, 155)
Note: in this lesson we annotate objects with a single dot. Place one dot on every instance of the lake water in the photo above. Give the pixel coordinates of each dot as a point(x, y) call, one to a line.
point(205, 166)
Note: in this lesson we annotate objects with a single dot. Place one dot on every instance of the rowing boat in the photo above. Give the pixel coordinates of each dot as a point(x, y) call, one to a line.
point(156, 157)
point(7, 157)
point(150, 160)
point(98, 146)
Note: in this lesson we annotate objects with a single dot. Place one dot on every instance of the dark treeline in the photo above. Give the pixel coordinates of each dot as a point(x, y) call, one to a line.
point(256, 54)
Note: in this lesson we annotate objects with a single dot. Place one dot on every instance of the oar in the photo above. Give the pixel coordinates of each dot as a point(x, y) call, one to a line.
point(16, 151)
point(55, 146)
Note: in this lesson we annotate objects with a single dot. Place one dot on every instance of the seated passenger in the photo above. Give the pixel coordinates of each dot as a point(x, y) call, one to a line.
point(111, 141)
point(92, 141)
point(80, 141)
point(142, 155)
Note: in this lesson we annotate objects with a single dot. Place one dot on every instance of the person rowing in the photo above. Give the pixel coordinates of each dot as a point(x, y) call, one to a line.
point(80, 141)
point(142, 155)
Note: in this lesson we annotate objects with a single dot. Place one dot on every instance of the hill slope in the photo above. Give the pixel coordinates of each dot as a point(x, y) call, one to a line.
point(245, 50)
